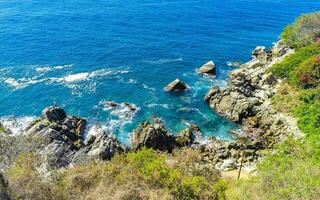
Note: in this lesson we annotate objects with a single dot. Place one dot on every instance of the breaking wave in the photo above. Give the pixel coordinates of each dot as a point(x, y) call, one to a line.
point(162, 61)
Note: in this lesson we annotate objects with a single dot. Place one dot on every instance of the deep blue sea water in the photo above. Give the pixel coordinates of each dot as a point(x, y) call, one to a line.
point(80, 53)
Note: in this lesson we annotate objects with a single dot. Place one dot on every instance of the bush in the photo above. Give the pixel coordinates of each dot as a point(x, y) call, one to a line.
point(308, 72)
point(288, 174)
point(304, 31)
point(145, 174)
point(285, 69)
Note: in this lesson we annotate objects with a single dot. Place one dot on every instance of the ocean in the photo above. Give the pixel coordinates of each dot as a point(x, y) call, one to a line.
point(81, 54)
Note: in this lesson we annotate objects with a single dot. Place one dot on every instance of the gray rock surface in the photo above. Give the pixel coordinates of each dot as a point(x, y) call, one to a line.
point(209, 69)
point(176, 85)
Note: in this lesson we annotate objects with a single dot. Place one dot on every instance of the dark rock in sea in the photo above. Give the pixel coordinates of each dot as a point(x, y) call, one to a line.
point(131, 107)
point(54, 113)
point(209, 68)
point(110, 104)
point(176, 85)
point(152, 136)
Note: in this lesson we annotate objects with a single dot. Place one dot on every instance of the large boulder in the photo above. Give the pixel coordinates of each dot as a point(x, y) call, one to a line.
point(152, 136)
point(53, 113)
point(259, 52)
point(209, 68)
point(176, 85)
point(185, 138)
point(99, 146)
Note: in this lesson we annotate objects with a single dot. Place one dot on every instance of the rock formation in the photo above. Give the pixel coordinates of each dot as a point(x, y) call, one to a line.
point(155, 135)
point(209, 69)
point(246, 100)
point(176, 85)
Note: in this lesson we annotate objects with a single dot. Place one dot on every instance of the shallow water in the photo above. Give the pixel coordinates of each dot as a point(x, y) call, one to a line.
point(78, 54)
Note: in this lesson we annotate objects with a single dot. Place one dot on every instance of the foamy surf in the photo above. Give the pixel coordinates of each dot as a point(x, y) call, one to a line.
point(162, 61)
point(16, 125)
point(51, 68)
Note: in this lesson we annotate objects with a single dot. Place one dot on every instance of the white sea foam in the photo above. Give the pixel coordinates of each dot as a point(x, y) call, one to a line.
point(23, 82)
point(152, 105)
point(162, 61)
point(50, 68)
point(17, 125)
point(148, 88)
point(76, 77)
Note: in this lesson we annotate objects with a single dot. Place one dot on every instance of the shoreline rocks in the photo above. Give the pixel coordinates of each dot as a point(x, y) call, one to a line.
point(155, 135)
point(247, 100)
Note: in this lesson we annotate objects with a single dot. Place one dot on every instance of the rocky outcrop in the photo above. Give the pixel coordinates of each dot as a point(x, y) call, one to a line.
point(246, 100)
point(209, 69)
point(176, 85)
point(58, 140)
point(152, 136)
point(155, 135)
point(99, 145)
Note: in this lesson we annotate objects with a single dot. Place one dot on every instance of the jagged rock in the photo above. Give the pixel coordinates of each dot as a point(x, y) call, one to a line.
point(176, 85)
point(185, 138)
point(213, 91)
point(152, 136)
point(259, 52)
point(209, 68)
point(54, 113)
point(99, 146)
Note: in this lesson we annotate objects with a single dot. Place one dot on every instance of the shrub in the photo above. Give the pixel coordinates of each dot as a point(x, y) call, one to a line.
point(308, 72)
point(285, 69)
point(304, 31)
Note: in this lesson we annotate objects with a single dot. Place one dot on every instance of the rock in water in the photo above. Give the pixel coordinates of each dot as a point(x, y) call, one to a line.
point(152, 136)
point(54, 113)
point(176, 85)
point(209, 68)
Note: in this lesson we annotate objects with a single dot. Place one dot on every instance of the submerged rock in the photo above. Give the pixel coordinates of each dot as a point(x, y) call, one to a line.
point(209, 68)
point(176, 85)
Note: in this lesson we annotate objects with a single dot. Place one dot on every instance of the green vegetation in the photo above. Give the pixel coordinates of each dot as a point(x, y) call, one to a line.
point(304, 31)
point(142, 175)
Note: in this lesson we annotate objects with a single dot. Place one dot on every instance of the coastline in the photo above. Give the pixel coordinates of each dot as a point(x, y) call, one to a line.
point(246, 101)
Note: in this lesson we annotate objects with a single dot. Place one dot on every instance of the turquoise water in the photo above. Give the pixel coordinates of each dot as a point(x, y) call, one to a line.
point(78, 54)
